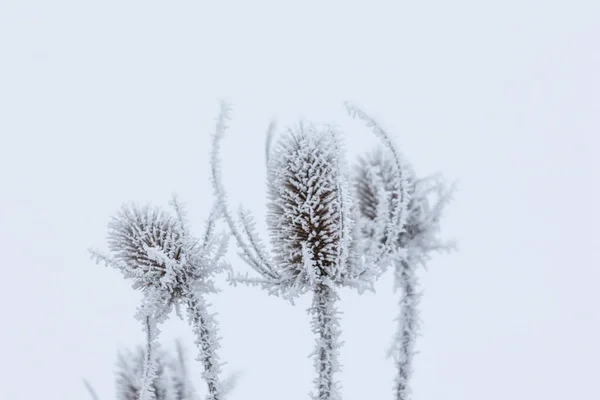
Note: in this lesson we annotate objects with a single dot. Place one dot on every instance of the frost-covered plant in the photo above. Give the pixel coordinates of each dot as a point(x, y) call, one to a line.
point(157, 251)
point(309, 225)
point(375, 176)
point(171, 381)
point(316, 246)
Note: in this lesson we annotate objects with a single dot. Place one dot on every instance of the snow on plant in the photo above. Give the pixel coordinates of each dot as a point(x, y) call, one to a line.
point(375, 179)
point(156, 250)
point(312, 230)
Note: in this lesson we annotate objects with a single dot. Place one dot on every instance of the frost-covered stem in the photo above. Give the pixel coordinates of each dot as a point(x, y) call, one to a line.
point(325, 324)
point(205, 329)
point(269, 141)
point(91, 390)
point(408, 325)
point(252, 255)
point(185, 389)
point(147, 391)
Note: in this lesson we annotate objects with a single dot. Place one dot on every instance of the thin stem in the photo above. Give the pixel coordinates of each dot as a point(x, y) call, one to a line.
point(146, 391)
point(265, 270)
point(325, 324)
point(269, 141)
point(91, 390)
point(408, 326)
point(205, 330)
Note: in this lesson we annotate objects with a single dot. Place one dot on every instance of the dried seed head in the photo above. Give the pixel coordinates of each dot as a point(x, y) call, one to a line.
point(305, 204)
point(374, 171)
point(374, 182)
point(136, 234)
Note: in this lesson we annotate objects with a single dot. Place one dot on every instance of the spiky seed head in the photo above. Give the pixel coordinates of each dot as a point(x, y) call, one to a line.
point(373, 169)
point(305, 211)
point(136, 231)
point(374, 182)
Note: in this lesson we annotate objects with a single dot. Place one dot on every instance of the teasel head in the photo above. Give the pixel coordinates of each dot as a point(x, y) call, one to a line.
point(137, 235)
point(308, 211)
point(374, 176)
point(310, 214)
point(155, 249)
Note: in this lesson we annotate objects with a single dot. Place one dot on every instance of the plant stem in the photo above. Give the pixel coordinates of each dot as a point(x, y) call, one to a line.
point(146, 391)
point(205, 330)
point(325, 324)
point(408, 325)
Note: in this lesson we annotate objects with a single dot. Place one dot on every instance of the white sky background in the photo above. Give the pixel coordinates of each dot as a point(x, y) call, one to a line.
point(111, 101)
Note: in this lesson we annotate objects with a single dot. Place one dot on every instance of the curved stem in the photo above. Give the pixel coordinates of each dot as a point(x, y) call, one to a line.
point(249, 253)
point(397, 224)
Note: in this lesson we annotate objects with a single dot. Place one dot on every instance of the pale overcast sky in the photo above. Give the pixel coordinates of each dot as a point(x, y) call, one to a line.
point(111, 101)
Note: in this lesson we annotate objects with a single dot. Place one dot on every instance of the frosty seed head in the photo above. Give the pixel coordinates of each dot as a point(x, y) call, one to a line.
point(137, 233)
point(373, 169)
point(374, 181)
point(305, 210)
